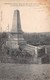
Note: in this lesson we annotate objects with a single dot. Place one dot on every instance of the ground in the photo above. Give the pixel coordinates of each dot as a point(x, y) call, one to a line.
point(10, 71)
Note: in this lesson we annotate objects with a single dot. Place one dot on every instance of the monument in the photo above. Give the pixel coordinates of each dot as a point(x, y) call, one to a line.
point(15, 37)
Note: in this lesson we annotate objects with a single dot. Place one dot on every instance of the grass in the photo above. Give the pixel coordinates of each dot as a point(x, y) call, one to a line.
point(24, 71)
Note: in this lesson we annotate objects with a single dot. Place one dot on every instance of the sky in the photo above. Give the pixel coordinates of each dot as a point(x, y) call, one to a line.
point(34, 18)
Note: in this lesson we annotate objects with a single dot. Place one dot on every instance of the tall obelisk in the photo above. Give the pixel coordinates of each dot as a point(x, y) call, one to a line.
point(16, 25)
point(16, 36)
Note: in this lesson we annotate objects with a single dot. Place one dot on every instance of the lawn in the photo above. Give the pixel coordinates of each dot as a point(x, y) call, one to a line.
point(10, 71)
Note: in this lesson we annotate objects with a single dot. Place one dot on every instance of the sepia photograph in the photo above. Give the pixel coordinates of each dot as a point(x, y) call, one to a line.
point(25, 40)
